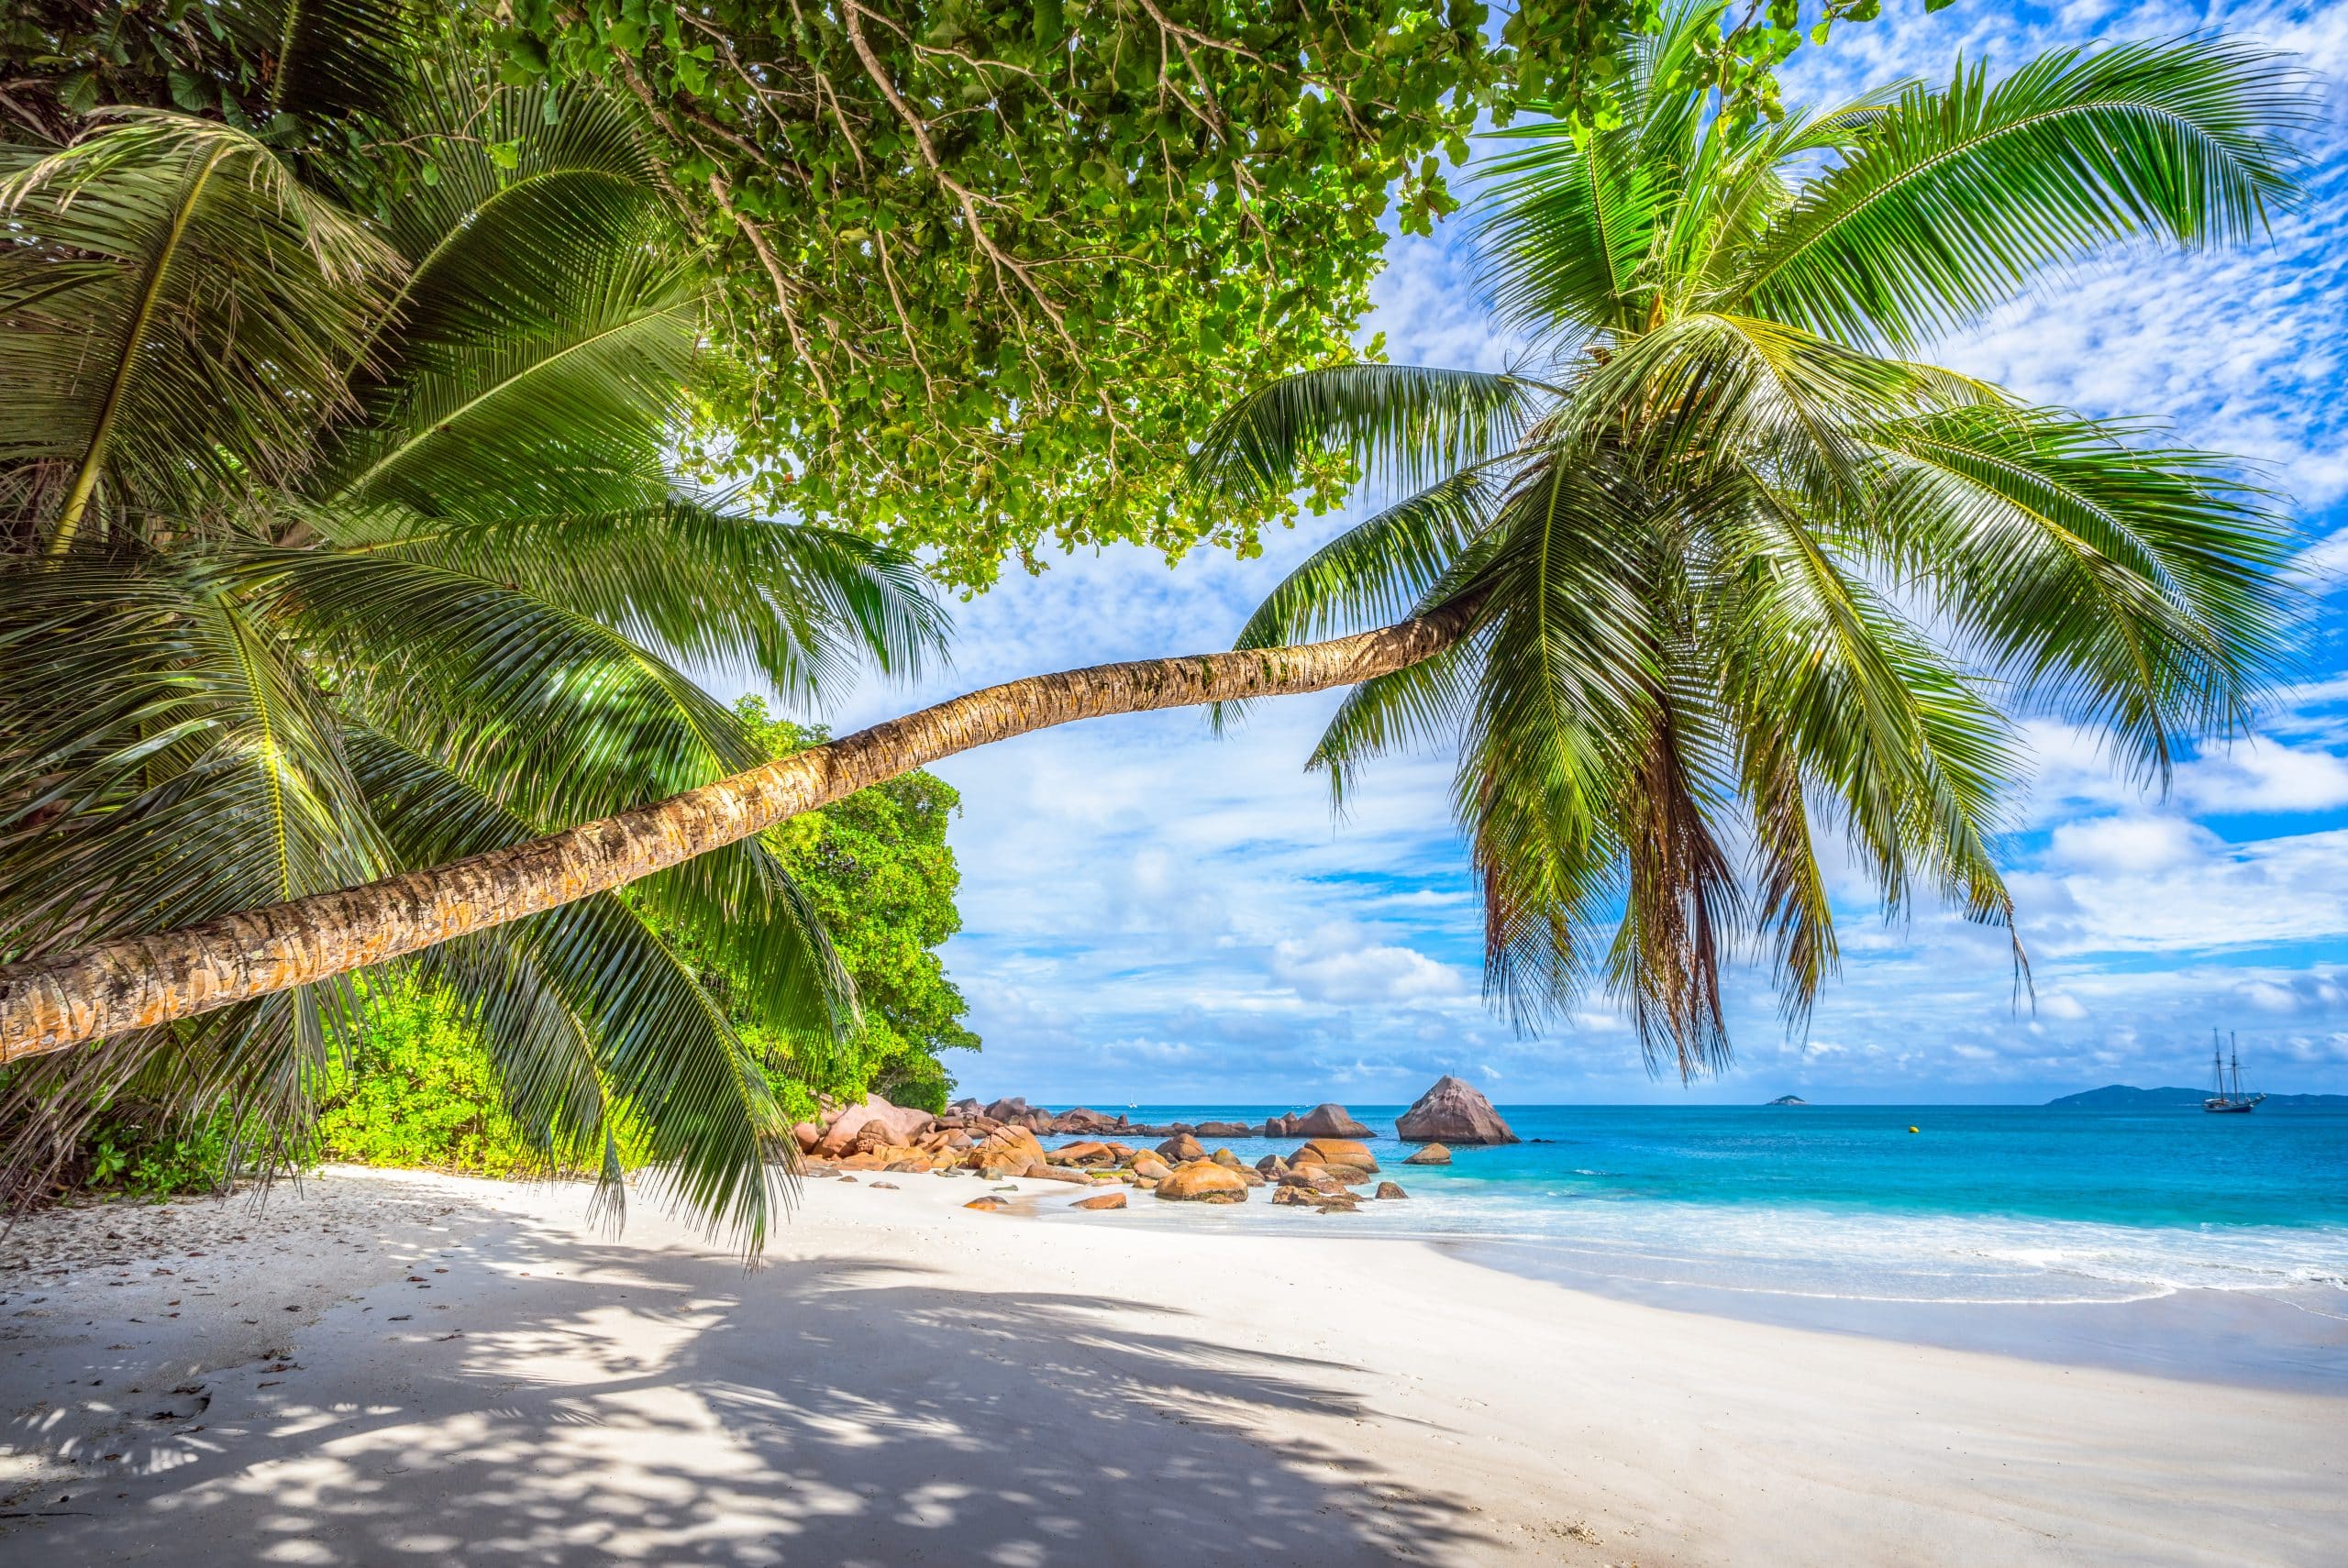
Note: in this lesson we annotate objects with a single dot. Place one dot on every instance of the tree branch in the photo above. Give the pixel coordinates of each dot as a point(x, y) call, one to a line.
point(144, 981)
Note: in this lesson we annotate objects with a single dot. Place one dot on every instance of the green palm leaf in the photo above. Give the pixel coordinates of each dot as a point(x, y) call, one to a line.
point(180, 310)
point(1402, 425)
point(801, 606)
point(1956, 197)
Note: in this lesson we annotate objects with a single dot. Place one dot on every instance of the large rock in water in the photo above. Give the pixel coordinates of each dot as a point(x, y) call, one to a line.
point(1327, 1121)
point(1452, 1112)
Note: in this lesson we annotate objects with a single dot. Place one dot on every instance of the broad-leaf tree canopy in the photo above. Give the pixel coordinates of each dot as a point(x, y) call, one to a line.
point(987, 268)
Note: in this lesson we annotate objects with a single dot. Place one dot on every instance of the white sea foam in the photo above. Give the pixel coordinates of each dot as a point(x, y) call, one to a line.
point(1830, 1254)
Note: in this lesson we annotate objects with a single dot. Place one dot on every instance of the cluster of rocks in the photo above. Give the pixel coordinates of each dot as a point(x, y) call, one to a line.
point(1451, 1111)
point(1330, 1120)
point(875, 1136)
point(1003, 1140)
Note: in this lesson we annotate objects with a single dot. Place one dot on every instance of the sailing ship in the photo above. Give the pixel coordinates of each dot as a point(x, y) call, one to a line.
point(2230, 1097)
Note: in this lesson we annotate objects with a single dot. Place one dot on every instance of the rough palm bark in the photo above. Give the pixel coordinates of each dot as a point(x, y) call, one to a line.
point(63, 1000)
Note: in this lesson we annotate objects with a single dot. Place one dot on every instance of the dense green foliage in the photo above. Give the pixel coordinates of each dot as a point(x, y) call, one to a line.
point(143, 1150)
point(877, 871)
point(987, 269)
point(416, 1086)
point(1744, 573)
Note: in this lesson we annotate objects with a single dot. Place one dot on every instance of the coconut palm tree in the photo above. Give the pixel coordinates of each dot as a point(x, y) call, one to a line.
point(1730, 570)
point(1743, 572)
point(334, 545)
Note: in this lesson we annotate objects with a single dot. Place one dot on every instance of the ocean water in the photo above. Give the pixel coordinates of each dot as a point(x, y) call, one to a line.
point(1982, 1204)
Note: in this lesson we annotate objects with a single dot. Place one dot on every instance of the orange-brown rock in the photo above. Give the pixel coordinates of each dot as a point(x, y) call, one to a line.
point(1341, 1152)
point(898, 1124)
point(1292, 1197)
point(1086, 1155)
point(807, 1134)
point(1311, 1177)
point(1227, 1160)
point(1432, 1155)
point(1321, 1122)
point(1152, 1169)
point(986, 1205)
point(1181, 1147)
point(1204, 1181)
point(1042, 1172)
point(1101, 1201)
point(1390, 1190)
point(1014, 1141)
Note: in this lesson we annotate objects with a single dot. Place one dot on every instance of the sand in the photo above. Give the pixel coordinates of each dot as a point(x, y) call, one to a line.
point(384, 1368)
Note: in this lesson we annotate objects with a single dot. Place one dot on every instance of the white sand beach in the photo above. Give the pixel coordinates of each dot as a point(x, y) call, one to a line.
point(381, 1368)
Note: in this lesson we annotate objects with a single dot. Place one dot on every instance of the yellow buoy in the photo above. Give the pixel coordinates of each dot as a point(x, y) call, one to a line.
point(1912, 1129)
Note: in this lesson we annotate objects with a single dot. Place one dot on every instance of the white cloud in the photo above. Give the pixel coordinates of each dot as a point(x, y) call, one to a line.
point(2130, 845)
point(2266, 775)
point(1334, 965)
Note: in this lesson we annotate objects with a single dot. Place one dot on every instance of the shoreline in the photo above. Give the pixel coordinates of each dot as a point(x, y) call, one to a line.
point(906, 1380)
point(2287, 1338)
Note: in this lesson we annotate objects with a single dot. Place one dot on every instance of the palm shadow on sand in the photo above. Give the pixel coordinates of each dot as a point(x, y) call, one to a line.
point(659, 1406)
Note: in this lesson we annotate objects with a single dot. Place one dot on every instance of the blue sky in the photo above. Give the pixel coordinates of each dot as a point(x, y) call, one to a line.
point(1154, 914)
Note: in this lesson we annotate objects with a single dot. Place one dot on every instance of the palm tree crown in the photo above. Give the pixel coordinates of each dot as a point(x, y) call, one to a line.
point(1744, 572)
point(333, 545)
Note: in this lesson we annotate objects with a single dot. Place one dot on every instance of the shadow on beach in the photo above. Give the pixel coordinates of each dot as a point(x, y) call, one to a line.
point(654, 1403)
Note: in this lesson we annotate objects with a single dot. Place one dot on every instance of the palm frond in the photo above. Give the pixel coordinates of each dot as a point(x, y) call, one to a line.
point(331, 58)
point(2139, 590)
point(1402, 425)
point(569, 718)
point(1957, 197)
point(802, 606)
point(1568, 227)
point(590, 1015)
point(556, 386)
point(180, 310)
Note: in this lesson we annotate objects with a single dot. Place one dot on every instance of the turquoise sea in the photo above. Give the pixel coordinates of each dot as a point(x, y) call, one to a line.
point(1843, 1204)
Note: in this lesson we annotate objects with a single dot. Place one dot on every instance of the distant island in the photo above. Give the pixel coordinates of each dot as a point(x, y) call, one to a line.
point(1790, 1099)
point(2127, 1097)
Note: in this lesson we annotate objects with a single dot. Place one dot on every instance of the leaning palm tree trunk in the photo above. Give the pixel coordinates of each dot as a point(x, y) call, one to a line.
point(138, 982)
